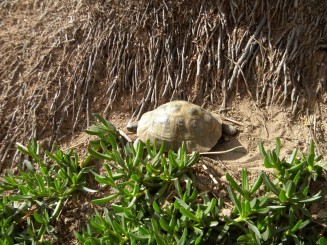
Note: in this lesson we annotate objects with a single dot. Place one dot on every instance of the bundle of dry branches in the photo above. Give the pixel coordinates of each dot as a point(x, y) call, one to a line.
point(62, 60)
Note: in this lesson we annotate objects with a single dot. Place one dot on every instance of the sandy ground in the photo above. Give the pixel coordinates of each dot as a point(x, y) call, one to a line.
point(254, 124)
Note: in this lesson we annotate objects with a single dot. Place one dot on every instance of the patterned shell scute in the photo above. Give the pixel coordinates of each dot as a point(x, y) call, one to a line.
point(179, 121)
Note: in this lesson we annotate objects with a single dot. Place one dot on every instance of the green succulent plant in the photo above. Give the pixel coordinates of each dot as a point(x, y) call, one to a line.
point(154, 196)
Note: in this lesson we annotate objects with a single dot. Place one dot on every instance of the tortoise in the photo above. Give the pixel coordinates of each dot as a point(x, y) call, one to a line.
point(178, 121)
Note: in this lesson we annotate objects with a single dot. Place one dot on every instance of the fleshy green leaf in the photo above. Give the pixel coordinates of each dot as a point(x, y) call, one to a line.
point(282, 196)
point(164, 225)
point(235, 185)
point(257, 184)
point(105, 199)
point(156, 207)
point(322, 241)
point(270, 185)
point(38, 217)
point(188, 214)
point(315, 198)
point(245, 183)
point(235, 200)
point(278, 146)
point(255, 230)
point(98, 155)
point(211, 206)
point(182, 241)
point(300, 225)
point(262, 149)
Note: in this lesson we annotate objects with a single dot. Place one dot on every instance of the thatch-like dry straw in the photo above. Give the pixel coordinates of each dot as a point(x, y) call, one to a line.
point(62, 60)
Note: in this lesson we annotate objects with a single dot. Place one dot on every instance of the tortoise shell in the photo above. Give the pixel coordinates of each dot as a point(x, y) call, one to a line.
point(179, 121)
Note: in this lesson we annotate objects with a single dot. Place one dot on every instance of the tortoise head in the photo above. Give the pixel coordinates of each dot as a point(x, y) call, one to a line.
point(132, 126)
point(226, 128)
